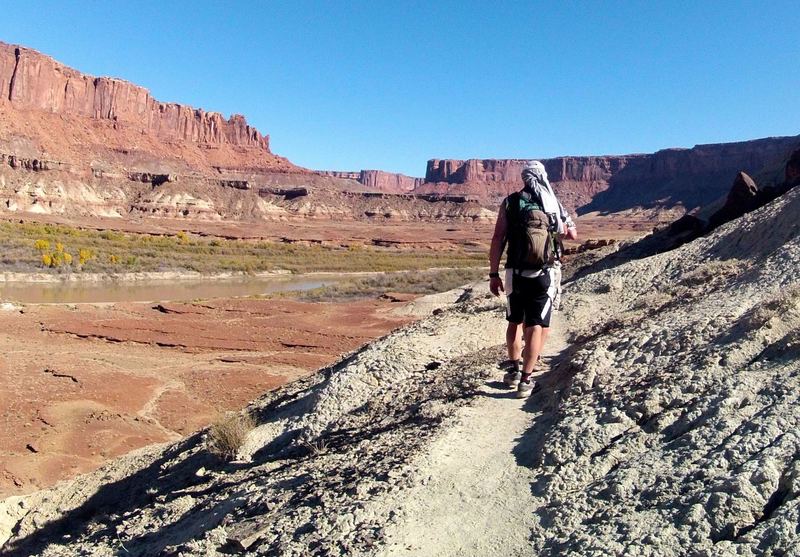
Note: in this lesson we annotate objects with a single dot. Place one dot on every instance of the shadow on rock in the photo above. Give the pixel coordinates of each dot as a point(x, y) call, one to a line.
point(161, 481)
point(545, 404)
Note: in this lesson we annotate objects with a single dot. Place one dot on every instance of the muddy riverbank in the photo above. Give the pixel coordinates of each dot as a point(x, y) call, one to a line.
point(82, 384)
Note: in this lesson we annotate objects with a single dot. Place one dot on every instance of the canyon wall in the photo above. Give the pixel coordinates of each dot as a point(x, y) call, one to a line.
point(667, 178)
point(389, 182)
point(61, 129)
point(346, 175)
point(33, 81)
point(560, 169)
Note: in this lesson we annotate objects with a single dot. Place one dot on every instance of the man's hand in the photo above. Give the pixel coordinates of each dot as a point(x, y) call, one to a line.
point(496, 251)
point(571, 233)
point(496, 286)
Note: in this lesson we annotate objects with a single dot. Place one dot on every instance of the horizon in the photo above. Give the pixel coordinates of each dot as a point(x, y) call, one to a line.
point(381, 119)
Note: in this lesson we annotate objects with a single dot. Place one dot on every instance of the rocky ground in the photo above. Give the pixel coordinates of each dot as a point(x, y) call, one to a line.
point(666, 425)
point(86, 383)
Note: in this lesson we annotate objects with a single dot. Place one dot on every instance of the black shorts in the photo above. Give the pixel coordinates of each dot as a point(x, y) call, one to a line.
point(529, 300)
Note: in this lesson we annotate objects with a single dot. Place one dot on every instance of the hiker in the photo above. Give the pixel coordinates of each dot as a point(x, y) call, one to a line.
point(530, 223)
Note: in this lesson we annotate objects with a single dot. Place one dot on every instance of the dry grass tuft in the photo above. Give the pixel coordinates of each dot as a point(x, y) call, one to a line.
point(419, 282)
point(652, 301)
point(315, 448)
point(711, 271)
point(228, 434)
point(784, 302)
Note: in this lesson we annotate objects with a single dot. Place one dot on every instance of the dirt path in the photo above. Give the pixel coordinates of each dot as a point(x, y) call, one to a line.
point(477, 499)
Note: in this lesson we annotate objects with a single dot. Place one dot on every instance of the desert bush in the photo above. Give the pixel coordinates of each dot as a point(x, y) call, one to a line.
point(652, 301)
point(84, 255)
point(315, 447)
point(183, 237)
point(47, 260)
point(110, 235)
point(211, 255)
point(228, 433)
point(423, 282)
point(67, 258)
point(785, 301)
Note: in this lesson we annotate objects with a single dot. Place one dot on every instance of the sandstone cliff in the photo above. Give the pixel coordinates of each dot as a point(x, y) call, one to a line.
point(71, 144)
point(81, 147)
point(667, 178)
point(30, 80)
point(97, 126)
point(388, 182)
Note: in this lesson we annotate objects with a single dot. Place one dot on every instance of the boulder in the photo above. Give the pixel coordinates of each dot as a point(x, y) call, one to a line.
point(743, 198)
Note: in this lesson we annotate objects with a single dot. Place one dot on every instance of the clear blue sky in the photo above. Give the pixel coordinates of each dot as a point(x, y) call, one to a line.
point(351, 84)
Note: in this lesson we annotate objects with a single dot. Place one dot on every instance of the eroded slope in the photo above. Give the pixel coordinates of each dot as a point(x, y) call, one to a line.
point(667, 426)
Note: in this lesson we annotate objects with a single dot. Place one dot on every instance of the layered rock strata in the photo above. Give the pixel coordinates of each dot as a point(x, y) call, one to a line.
point(389, 182)
point(667, 178)
point(744, 196)
point(32, 81)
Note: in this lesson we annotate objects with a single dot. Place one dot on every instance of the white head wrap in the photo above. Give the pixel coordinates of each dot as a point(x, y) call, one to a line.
point(534, 173)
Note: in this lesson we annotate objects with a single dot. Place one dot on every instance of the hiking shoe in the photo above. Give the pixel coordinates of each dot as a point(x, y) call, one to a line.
point(511, 378)
point(512, 369)
point(510, 365)
point(525, 388)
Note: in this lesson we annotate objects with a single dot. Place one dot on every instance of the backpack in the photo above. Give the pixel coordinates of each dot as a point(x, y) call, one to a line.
point(531, 243)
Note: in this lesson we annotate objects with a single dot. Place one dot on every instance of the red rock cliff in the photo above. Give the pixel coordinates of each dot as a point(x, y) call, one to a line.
point(688, 177)
point(388, 182)
point(577, 179)
point(582, 169)
point(30, 80)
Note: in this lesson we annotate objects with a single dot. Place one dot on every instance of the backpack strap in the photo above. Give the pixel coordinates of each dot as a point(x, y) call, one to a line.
point(513, 202)
point(512, 208)
point(533, 195)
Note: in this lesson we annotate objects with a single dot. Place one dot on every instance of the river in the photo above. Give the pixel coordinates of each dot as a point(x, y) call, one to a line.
point(110, 291)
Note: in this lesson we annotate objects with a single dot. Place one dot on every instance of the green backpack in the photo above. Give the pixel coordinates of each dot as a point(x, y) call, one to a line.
point(531, 243)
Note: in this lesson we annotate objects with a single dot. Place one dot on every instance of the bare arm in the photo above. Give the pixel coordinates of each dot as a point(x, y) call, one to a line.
point(496, 251)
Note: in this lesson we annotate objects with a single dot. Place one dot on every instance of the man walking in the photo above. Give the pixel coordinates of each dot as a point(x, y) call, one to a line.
point(530, 222)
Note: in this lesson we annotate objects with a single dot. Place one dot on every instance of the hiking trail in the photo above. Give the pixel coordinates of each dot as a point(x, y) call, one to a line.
point(477, 499)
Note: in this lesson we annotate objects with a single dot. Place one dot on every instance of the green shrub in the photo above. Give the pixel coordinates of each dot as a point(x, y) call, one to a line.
point(209, 255)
